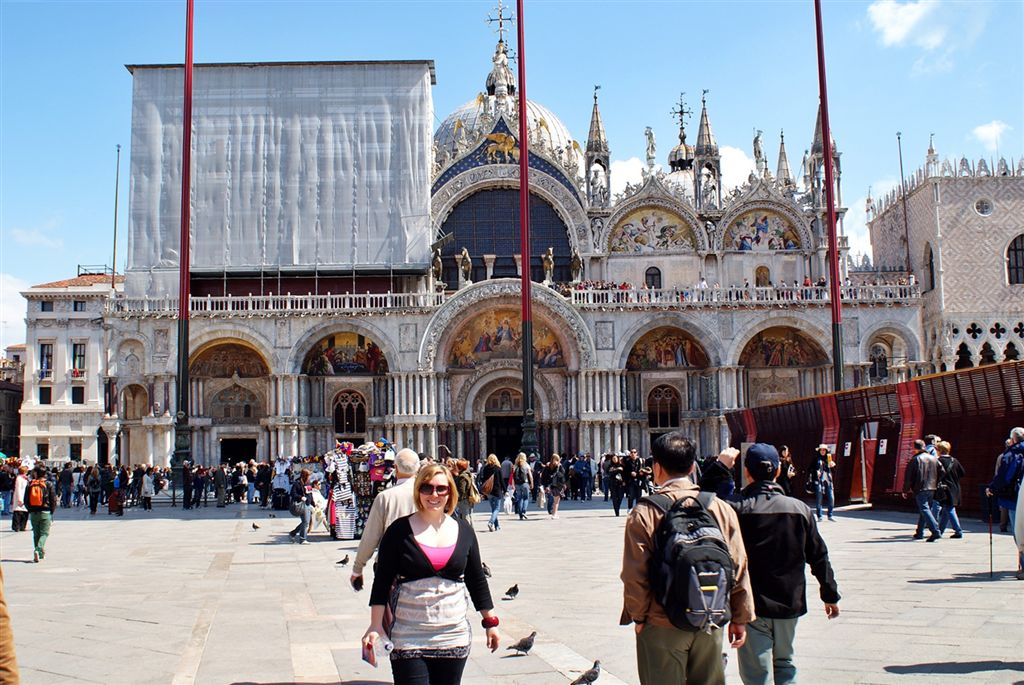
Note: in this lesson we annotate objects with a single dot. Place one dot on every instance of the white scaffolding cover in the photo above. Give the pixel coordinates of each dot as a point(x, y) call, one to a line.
point(294, 166)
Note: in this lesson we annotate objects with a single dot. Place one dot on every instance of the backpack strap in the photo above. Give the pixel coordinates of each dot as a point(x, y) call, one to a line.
point(663, 502)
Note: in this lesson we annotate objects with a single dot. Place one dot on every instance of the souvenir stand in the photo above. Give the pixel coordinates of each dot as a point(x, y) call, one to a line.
point(370, 467)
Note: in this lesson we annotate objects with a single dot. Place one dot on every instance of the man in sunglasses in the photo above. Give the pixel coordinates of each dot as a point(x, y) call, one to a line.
point(391, 504)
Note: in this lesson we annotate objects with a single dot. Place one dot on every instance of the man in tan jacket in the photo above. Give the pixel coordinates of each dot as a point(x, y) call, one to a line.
point(389, 505)
point(666, 654)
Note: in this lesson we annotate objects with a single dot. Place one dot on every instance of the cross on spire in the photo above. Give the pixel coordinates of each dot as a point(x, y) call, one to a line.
point(704, 96)
point(596, 88)
point(500, 20)
point(681, 111)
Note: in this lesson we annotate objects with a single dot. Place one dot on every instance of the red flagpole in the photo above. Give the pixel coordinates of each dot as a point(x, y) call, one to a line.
point(529, 440)
point(833, 242)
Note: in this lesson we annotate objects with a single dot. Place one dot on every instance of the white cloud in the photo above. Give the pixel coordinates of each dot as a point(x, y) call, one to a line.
point(736, 168)
point(990, 133)
point(12, 310)
point(896, 21)
point(39, 236)
point(625, 171)
point(937, 30)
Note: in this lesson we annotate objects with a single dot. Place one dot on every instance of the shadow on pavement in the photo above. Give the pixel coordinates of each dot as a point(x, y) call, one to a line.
point(326, 682)
point(957, 667)
point(892, 538)
point(980, 576)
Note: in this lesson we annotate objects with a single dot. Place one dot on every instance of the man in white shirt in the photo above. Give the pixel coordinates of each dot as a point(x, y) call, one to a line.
point(391, 504)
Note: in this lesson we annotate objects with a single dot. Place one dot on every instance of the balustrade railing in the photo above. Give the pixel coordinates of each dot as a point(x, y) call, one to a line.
point(264, 305)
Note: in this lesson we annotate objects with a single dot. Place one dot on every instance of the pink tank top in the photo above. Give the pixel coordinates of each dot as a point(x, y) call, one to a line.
point(438, 556)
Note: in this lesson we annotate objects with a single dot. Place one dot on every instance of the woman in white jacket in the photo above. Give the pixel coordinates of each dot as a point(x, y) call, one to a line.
point(19, 515)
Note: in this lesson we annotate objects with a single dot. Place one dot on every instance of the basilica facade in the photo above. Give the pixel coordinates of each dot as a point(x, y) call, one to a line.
point(330, 307)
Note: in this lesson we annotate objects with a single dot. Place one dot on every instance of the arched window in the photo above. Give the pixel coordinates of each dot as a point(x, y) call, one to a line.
point(652, 277)
point(963, 357)
point(879, 363)
point(1015, 261)
point(988, 355)
point(929, 265)
point(487, 223)
point(663, 408)
point(349, 413)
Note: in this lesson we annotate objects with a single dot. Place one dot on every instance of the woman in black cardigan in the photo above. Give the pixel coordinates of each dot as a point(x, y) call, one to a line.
point(426, 563)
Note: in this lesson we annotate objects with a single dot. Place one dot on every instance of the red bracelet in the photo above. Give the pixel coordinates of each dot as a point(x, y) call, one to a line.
point(490, 622)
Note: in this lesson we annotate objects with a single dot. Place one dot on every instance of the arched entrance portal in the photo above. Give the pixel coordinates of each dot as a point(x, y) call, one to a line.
point(503, 412)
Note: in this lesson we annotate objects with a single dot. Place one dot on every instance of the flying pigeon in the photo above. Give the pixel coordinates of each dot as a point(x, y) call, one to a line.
point(525, 645)
point(512, 592)
point(255, 527)
point(343, 562)
point(590, 676)
point(486, 568)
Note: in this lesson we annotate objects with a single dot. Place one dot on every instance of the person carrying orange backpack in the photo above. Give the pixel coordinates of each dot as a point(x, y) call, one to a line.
point(41, 502)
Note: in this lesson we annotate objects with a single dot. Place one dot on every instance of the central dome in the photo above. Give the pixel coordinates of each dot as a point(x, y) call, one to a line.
point(500, 97)
point(538, 118)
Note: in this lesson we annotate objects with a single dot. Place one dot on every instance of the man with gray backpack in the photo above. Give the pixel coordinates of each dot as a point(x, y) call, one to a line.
point(684, 574)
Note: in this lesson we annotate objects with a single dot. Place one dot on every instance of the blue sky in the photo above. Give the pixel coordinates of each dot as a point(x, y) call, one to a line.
point(929, 66)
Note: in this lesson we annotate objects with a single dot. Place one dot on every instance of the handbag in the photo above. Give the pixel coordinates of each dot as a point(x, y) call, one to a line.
point(488, 486)
point(506, 504)
point(542, 499)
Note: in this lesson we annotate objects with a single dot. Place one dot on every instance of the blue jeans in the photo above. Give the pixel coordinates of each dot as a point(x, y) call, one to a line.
point(495, 508)
point(824, 492)
point(65, 496)
point(947, 514)
point(304, 518)
point(768, 652)
point(927, 508)
point(588, 488)
point(5, 502)
point(251, 495)
point(522, 498)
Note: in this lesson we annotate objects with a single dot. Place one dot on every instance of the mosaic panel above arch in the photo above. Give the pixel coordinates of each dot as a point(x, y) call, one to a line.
point(497, 334)
point(761, 230)
point(345, 354)
point(666, 348)
point(781, 346)
point(651, 229)
point(224, 360)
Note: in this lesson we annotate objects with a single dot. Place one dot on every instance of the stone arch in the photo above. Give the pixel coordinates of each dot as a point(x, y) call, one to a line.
point(130, 358)
point(469, 403)
point(897, 330)
point(245, 368)
point(810, 330)
point(665, 204)
point(799, 222)
point(237, 403)
point(445, 322)
point(302, 346)
point(707, 340)
point(490, 176)
point(133, 403)
point(231, 332)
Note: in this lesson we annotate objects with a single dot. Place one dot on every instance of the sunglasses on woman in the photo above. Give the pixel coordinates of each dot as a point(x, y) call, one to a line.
point(428, 489)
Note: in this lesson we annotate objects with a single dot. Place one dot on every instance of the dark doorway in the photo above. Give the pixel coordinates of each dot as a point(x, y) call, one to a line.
point(234, 450)
point(102, 447)
point(504, 436)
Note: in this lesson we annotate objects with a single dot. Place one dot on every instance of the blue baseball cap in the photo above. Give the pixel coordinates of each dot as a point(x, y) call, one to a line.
point(762, 461)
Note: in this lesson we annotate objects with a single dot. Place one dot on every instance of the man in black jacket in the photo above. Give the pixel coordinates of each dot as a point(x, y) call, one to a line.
point(780, 535)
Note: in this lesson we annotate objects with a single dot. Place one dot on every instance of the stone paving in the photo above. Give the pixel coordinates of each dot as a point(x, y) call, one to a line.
point(200, 597)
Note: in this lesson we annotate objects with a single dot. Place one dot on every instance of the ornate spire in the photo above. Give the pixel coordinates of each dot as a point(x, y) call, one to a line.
point(817, 148)
point(782, 173)
point(596, 140)
point(706, 144)
point(500, 81)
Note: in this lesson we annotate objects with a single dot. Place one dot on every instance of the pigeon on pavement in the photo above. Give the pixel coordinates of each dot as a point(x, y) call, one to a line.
point(525, 645)
point(486, 568)
point(589, 676)
point(512, 592)
point(343, 562)
point(255, 527)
